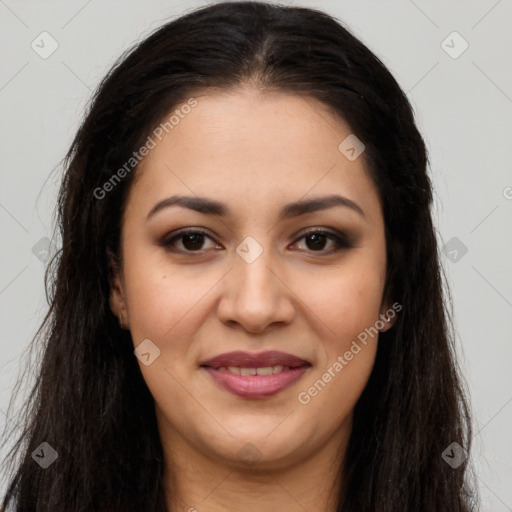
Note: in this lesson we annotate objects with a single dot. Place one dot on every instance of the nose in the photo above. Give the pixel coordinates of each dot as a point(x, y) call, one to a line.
point(256, 295)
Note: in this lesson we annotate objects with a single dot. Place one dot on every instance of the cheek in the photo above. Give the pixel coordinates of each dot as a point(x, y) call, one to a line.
point(349, 306)
point(347, 301)
point(332, 392)
point(164, 302)
point(168, 307)
point(160, 294)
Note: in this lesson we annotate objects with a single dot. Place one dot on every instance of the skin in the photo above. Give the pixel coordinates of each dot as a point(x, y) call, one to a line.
point(255, 152)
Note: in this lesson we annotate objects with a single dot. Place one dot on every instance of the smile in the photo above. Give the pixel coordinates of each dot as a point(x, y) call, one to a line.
point(255, 375)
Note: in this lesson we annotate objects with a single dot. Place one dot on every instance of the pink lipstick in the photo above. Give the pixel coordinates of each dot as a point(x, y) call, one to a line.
point(255, 375)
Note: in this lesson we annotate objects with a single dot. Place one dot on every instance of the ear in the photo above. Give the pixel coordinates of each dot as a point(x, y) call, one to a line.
point(388, 309)
point(117, 297)
point(388, 314)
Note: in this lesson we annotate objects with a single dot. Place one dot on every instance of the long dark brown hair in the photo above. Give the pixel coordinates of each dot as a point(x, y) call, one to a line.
point(90, 402)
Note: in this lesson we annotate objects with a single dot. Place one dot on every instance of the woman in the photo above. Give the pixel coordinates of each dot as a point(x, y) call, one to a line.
point(247, 309)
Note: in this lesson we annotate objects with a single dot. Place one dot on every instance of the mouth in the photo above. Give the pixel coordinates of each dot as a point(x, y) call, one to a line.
point(255, 375)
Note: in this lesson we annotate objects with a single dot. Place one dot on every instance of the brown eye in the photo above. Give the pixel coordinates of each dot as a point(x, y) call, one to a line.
point(316, 241)
point(193, 240)
point(190, 240)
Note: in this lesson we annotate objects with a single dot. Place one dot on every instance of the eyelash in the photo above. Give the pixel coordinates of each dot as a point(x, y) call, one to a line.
point(341, 240)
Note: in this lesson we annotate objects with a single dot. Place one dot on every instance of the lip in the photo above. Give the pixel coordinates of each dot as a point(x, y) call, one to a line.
point(249, 360)
point(255, 386)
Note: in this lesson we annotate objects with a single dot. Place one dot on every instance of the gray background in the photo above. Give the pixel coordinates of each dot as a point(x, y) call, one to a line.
point(463, 105)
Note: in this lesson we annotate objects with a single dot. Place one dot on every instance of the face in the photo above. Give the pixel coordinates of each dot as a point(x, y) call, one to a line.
point(279, 247)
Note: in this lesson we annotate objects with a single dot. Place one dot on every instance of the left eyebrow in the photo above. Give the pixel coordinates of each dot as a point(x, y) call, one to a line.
point(320, 203)
point(295, 209)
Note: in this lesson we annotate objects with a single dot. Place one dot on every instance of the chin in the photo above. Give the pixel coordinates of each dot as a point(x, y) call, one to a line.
point(259, 446)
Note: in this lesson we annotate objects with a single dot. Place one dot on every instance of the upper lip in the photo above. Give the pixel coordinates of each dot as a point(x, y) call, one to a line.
point(243, 359)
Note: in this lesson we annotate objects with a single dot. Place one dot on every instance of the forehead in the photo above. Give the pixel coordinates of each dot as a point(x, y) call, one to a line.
point(256, 148)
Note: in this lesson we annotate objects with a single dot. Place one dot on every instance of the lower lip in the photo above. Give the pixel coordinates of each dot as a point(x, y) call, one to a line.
point(256, 386)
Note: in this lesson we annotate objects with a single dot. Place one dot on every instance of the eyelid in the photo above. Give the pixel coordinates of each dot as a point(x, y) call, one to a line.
point(170, 237)
point(341, 239)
